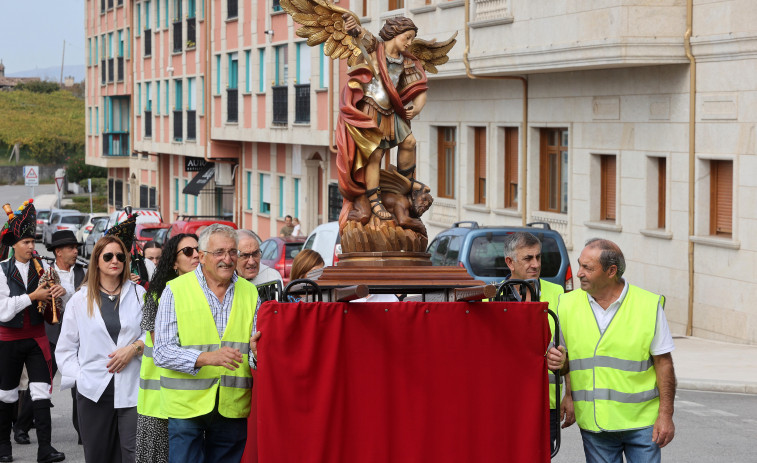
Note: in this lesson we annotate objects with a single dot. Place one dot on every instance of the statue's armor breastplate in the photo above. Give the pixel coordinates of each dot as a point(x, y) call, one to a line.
point(375, 89)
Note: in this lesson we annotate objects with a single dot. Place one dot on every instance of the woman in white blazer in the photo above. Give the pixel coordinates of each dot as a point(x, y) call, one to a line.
point(100, 349)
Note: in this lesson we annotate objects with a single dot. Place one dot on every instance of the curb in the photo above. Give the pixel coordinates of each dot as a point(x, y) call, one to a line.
point(714, 385)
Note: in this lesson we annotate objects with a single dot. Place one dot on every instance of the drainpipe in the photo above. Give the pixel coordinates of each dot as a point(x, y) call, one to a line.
point(692, 157)
point(332, 146)
point(469, 73)
point(132, 127)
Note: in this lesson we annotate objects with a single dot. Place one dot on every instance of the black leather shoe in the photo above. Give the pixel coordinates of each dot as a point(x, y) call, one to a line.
point(21, 437)
point(6, 458)
point(52, 456)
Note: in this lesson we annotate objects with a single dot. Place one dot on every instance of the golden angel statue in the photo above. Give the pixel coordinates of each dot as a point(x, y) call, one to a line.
point(386, 89)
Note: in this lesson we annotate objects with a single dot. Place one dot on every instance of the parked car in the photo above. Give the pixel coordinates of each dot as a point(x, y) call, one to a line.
point(145, 216)
point(89, 224)
point(62, 219)
point(279, 253)
point(325, 240)
point(94, 235)
point(161, 236)
point(194, 226)
point(481, 251)
point(43, 216)
point(146, 232)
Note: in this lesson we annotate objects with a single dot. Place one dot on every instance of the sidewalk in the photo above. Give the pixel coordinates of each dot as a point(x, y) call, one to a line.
point(705, 365)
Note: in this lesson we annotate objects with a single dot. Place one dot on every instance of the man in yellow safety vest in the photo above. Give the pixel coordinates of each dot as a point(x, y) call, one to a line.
point(523, 257)
point(203, 335)
point(617, 342)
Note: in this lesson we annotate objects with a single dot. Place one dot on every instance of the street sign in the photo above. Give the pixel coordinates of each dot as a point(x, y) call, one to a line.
point(59, 182)
point(31, 175)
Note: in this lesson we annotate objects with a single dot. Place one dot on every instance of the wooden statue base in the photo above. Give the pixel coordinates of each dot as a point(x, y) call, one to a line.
point(384, 259)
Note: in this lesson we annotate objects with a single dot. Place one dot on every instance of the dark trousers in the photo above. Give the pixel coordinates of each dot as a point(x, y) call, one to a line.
point(108, 434)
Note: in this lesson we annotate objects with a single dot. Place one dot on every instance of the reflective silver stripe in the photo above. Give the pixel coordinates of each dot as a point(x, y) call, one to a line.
point(610, 362)
point(236, 381)
point(243, 347)
point(151, 384)
point(186, 384)
point(615, 396)
point(148, 352)
point(203, 347)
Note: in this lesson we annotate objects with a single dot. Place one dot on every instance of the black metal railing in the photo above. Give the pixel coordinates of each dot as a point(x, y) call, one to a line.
point(111, 69)
point(148, 42)
point(178, 132)
point(110, 4)
point(280, 104)
point(177, 45)
point(115, 143)
point(302, 103)
point(103, 72)
point(191, 124)
point(120, 66)
point(148, 124)
point(232, 105)
point(191, 33)
point(231, 9)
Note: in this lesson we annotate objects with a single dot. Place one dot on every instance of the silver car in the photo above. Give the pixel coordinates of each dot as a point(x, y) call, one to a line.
point(60, 220)
point(94, 235)
point(43, 216)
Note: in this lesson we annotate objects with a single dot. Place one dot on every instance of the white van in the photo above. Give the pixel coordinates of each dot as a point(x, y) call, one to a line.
point(145, 216)
point(325, 240)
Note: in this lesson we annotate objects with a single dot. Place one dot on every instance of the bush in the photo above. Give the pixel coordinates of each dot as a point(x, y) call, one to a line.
point(81, 203)
point(77, 171)
point(39, 86)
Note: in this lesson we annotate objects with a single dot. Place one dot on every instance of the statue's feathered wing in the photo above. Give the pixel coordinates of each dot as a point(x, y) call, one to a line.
point(432, 53)
point(322, 23)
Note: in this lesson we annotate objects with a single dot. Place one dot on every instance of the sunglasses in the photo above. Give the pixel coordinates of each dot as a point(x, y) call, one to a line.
point(188, 251)
point(108, 256)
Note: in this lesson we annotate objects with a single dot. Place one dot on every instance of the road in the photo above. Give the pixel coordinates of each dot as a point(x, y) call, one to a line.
point(17, 194)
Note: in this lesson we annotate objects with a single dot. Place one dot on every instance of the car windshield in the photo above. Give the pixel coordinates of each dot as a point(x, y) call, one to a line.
point(486, 256)
point(149, 232)
point(72, 219)
point(43, 215)
point(292, 249)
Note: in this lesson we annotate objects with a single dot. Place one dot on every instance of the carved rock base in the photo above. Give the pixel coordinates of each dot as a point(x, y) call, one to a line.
point(380, 236)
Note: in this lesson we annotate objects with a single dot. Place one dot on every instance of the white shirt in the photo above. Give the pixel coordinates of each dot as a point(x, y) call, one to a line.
point(662, 343)
point(84, 345)
point(266, 274)
point(10, 306)
point(67, 282)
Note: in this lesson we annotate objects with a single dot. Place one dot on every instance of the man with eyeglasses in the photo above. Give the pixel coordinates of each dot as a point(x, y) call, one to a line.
point(249, 266)
point(203, 335)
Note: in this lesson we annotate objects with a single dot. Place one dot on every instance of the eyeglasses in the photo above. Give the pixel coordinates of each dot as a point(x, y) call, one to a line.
point(253, 254)
point(108, 256)
point(221, 253)
point(188, 251)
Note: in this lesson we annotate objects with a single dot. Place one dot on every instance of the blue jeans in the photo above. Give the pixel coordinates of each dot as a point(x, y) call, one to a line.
point(208, 438)
point(608, 447)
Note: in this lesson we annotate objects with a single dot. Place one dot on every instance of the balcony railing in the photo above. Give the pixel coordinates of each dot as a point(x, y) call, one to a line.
point(232, 105)
point(191, 124)
point(302, 103)
point(111, 69)
point(115, 143)
point(110, 4)
point(148, 124)
point(177, 45)
point(232, 10)
point(148, 42)
point(120, 61)
point(280, 104)
point(103, 72)
point(191, 33)
point(178, 132)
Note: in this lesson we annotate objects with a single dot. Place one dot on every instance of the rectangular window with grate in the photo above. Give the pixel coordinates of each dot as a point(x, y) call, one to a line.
point(661, 191)
point(511, 167)
point(608, 194)
point(553, 170)
point(446, 146)
point(479, 168)
point(721, 198)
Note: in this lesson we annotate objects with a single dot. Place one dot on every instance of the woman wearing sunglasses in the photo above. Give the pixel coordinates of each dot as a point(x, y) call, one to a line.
point(179, 256)
point(100, 349)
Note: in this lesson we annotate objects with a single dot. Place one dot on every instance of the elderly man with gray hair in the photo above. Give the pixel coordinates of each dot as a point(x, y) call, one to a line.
point(523, 257)
point(249, 266)
point(621, 370)
point(203, 335)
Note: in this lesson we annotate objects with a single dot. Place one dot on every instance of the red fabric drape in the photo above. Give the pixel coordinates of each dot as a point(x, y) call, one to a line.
point(402, 382)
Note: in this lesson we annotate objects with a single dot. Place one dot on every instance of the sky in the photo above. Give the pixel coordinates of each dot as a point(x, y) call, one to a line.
point(32, 33)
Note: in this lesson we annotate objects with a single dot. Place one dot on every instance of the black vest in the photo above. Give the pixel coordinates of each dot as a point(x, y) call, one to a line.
point(16, 286)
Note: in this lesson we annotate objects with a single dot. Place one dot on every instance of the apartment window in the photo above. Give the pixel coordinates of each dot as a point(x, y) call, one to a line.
point(303, 63)
point(111, 191)
point(721, 198)
point(218, 74)
point(191, 88)
point(177, 10)
point(296, 197)
point(446, 161)
point(139, 18)
point(265, 194)
point(165, 24)
point(178, 95)
point(231, 9)
point(89, 53)
point(233, 70)
point(249, 190)
point(157, 98)
point(323, 62)
point(186, 197)
point(479, 168)
point(396, 4)
point(553, 171)
point(157, 15)
point(511, 167)
point(662, 170)
point(176, 193)
point(191, 8)
point(608, 195)
point(247, 71)
point(139, 98)
point(276, 6)
point(191, 109)
point(118, 201)
point(148, 97)
point(97, 55)
point(97, 120)
point(282, 65)
point(202, 95)
point(168, 100)
point(232, 92)
point(147, 14)
point(261, 59)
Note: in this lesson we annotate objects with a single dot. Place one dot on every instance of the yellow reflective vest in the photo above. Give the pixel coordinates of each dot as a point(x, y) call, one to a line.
point(148, 402)
point(183, 395)
point(550, 293)
point(612, 375)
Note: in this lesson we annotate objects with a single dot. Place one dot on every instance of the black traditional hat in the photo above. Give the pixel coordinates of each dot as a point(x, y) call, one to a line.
point(125, 230)
point(21, 223)
point(62, 238)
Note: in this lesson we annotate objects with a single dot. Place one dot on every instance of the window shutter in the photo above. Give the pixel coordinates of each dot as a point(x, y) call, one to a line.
point(721, 199)
point(608, 188)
